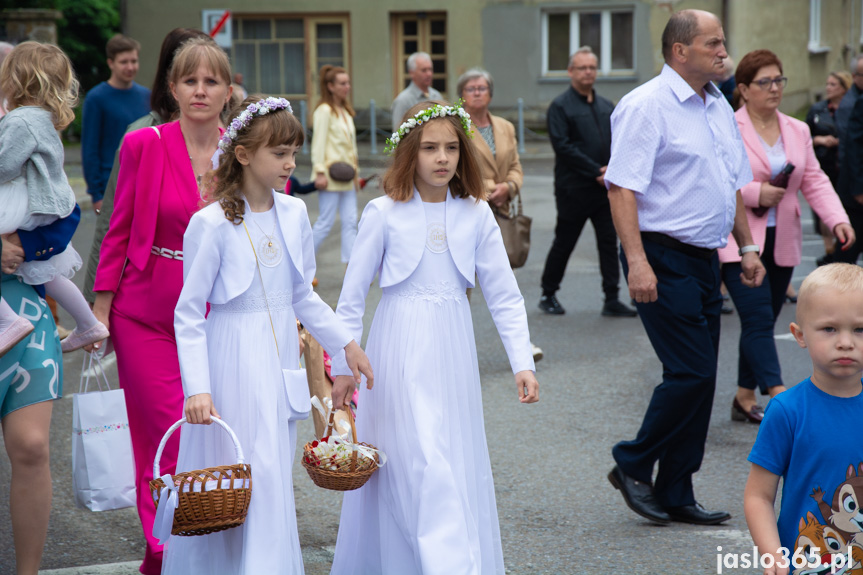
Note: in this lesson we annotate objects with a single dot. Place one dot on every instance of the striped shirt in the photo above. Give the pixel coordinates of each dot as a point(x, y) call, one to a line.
point(682, 156)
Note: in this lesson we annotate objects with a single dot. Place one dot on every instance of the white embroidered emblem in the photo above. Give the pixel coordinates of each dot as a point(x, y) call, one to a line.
point(436, 238)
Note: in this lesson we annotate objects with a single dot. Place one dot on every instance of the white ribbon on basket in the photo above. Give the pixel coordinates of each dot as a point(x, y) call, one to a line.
point(325, 408)
point(168, 501)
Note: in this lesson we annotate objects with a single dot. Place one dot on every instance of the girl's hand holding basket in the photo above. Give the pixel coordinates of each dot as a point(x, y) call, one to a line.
point(344, 385)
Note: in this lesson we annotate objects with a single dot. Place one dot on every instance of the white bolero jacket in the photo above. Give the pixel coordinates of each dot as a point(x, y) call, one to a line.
point(218, 266)
point(390, 242)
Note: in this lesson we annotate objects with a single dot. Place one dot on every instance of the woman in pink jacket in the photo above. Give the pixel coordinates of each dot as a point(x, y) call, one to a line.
point(140, 272)
point(772, 140)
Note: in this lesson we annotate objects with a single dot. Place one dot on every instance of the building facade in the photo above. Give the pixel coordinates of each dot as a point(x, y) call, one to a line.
point(280, 45)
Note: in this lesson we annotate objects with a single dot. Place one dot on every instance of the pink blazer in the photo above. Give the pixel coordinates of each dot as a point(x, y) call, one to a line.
point(806, 177)
point(144, 164)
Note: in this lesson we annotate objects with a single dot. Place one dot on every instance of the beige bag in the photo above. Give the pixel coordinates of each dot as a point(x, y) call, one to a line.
point(319, 385)
point(515, 229)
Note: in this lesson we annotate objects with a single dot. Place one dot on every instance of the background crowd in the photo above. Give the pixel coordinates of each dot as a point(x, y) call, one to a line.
point(145, 190)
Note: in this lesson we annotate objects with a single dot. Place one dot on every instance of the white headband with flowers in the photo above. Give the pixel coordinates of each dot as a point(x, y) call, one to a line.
point(259, 108)
point(435, 111)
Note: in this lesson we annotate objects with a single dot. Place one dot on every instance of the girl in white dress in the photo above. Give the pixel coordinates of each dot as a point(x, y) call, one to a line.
point(250, 255)
point(41, 92)
point(431, 509)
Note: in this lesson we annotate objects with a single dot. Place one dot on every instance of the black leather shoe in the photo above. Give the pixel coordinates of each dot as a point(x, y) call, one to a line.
point(697, 515)
point(638, 496)
point(549, 304)
point(754, 415)
point(615, 308)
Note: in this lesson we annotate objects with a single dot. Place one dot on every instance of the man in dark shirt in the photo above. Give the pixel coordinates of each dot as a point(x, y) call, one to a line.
point(579, 126)
point(851, 169)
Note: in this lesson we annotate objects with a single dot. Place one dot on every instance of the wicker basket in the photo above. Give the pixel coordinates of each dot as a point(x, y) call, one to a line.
point(211, 499)
point(347, 477)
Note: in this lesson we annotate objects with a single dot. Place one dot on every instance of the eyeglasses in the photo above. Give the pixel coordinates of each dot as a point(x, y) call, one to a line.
point(764, 83)
point(476, 90)
point(585, 68)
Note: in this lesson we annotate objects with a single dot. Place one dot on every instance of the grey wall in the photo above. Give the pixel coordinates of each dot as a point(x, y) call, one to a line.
point(512, 52)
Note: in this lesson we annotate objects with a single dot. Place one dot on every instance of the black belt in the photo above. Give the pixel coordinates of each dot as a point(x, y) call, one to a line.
point(677, 245)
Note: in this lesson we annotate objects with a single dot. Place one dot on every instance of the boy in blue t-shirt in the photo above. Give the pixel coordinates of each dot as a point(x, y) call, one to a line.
point(811, 438)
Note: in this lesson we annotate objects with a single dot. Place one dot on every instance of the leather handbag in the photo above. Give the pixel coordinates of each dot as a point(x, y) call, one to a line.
point(342, 172)
point(515, 229)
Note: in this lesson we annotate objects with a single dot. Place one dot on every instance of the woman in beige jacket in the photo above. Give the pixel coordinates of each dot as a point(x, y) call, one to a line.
point(497, 149)
point(334, 141)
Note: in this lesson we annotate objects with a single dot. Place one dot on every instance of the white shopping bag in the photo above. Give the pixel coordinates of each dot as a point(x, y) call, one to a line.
point(103, 469)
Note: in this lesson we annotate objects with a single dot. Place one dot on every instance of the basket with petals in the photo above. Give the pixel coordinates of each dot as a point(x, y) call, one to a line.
point(203, 501)
point(340, 465)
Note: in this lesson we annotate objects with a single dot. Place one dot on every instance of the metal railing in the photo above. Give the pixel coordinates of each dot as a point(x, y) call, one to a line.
point(373, 117)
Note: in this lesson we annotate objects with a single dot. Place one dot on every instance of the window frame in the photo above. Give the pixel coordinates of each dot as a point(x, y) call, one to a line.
point(309, 42)
point(814, 45)
point(605, 69)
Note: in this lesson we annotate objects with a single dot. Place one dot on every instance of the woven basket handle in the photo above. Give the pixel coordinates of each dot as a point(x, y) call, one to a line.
point(237, 447)
point(331, 424)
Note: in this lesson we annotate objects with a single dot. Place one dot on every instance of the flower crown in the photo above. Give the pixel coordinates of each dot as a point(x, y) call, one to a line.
point(259, 108)
point(435, 111)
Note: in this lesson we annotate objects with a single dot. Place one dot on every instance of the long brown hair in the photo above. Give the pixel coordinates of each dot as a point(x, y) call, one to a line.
point(225, 183)
point(328, 76)
point(398, 182)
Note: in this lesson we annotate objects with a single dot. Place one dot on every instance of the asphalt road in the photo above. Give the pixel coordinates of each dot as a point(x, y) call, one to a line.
point(558, 513)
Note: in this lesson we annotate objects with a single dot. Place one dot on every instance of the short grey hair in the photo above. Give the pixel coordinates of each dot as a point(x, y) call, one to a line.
point(412, 60)
point(583, 50)
point(855, 62)
point(474, 74)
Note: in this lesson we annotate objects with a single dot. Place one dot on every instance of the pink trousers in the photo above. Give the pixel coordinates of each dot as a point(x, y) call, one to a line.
point(150, 376)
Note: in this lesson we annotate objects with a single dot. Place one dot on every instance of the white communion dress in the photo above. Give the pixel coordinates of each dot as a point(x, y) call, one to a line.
point(431, 509)
point(249, 393)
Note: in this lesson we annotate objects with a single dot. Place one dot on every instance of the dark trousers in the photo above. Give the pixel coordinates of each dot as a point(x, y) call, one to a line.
point(855, 214)
point(570, 222)
point(758, 308)
point(683, 327)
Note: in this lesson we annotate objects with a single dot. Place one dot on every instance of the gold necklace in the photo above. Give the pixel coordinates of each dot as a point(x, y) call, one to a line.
point(269, 250)
point(270, 236)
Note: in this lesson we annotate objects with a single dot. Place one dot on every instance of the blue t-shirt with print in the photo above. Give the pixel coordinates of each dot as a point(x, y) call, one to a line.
point(813, 440)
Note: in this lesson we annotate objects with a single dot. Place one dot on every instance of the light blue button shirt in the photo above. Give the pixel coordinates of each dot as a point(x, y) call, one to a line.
point(682, 156)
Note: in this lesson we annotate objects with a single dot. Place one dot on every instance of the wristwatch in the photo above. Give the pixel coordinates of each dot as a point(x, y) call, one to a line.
point(747, 249)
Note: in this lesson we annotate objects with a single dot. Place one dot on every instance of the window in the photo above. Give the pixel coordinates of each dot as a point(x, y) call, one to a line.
point(815, 46)
point(419, 32)
point(610, 33)
point(282, 56)
point(861, 22)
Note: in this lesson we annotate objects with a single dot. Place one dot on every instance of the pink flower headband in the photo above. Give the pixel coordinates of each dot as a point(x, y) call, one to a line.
point(260, 108)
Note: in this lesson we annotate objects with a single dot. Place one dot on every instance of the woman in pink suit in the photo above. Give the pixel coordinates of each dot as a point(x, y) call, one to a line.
point(772, 139)
point(140, 272)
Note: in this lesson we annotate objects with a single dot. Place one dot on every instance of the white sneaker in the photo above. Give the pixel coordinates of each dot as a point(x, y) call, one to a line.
point(537, 352)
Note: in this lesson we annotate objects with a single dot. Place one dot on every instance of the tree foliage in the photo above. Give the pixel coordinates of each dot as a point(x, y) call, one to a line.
point(82, 33)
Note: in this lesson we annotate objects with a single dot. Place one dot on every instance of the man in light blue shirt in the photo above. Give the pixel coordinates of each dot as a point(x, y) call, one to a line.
point(677, 165)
